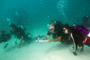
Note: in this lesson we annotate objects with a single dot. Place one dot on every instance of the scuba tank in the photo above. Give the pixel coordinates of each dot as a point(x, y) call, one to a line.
point(82, 29)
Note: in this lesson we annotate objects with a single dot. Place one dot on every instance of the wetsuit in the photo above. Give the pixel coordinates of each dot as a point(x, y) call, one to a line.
point(19, 32)
point(59, 32)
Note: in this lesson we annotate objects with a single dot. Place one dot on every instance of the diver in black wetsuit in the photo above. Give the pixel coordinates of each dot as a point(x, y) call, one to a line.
point(20, 34)
point(79, 34)
point(56, 29)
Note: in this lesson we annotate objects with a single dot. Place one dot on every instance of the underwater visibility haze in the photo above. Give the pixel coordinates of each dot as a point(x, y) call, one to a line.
point(33, 16)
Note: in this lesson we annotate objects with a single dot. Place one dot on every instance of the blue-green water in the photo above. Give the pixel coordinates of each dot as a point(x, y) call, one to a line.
point(34, 15)
point(38, 12)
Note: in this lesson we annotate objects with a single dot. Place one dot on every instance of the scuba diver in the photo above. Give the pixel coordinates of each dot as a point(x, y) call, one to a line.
point(79, 34)
point(56, 30)
point(20, 34)
point(4, 37)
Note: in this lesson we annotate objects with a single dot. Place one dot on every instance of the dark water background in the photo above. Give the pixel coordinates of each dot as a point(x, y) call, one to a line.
point(34, 14)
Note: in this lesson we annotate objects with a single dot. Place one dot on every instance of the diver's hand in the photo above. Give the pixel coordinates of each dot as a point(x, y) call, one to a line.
point(74, 53)
point(45, 41)
point(41, 42)
point(49, 41)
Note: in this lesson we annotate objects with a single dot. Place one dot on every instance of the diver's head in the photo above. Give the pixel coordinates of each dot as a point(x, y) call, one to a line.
point(12, 26)
point(51, 28)
point(54, 22)
point(66, 29)
point(74, 24)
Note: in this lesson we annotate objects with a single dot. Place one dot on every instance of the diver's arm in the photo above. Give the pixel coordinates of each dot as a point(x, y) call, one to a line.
point(74, 44)
point(46, 37)
point(20, 41)
point(55, 40)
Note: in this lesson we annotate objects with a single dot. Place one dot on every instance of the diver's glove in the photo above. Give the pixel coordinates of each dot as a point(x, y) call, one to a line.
point(74, 53)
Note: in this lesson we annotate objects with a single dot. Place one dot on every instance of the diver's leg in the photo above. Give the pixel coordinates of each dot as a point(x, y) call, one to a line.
point(76, 46)
point(20, 42)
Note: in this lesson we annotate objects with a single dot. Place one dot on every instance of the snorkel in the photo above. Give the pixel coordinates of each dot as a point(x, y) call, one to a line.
point(74, 25)
point(53, 26)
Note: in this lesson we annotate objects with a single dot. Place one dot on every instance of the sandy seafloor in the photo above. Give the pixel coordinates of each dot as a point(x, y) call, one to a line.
point(44, 51)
